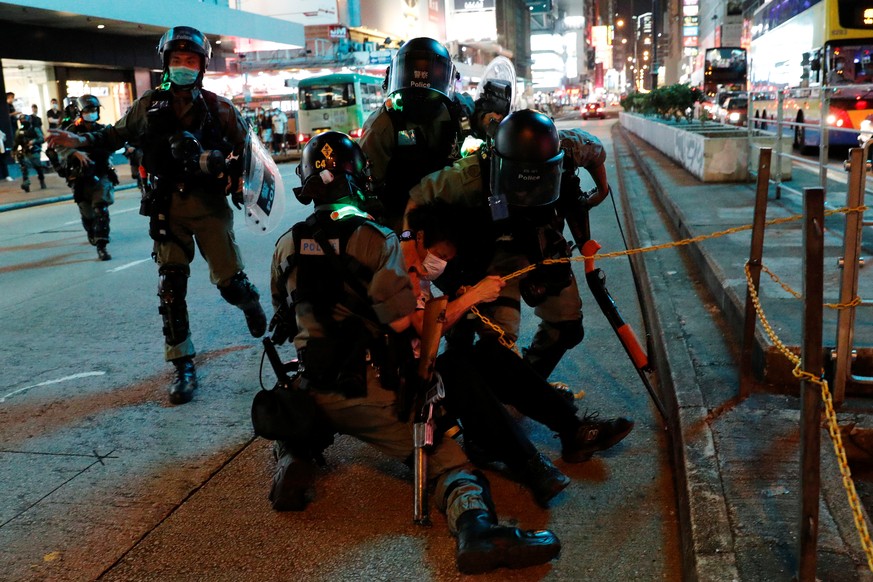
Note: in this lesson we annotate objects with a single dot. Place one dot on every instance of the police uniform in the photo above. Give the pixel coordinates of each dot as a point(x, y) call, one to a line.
point(93, 187)
point(560, 314)
point(26, 148)
point(344, 279)
point(402, 152)
point(198, 207)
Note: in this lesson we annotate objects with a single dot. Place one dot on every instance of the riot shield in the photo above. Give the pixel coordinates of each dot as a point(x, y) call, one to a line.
point(263, 188)
point(499, 76)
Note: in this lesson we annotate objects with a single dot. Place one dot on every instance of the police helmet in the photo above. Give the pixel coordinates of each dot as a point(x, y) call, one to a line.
point(86, 102)
point(332, 167)
point(184, 38)
point(527, 159)
point(420, 76)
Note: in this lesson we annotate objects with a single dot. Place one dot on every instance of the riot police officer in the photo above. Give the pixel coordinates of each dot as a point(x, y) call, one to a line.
point(90, 173)
point(514, 187)
point(26, 148)
point(178, 125)
point(341, 281)
point(419, 128)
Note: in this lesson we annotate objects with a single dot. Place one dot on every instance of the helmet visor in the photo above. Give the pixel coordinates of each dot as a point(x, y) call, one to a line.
point(424, 70)
point(525, 183)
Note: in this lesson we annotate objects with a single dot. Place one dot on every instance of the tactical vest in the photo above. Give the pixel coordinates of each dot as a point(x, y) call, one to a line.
point(328, 276)
point(99, 156)
point(162, 124)
point(414, 157)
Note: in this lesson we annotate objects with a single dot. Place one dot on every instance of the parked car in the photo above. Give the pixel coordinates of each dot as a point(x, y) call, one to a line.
point(593, 109)
point(735, 111)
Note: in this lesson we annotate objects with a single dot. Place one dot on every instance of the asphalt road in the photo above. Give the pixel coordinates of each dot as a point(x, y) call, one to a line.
point(103, 478)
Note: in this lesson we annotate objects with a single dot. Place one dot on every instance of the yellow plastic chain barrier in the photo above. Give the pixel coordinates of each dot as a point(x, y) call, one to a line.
point(833, 427)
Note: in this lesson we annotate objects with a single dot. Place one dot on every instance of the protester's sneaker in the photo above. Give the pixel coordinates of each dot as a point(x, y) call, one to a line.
point(593, 435)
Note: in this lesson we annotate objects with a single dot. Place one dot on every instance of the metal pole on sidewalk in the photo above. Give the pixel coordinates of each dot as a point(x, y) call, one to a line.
point(755, 255)
point(780, 108)
point(811, 361)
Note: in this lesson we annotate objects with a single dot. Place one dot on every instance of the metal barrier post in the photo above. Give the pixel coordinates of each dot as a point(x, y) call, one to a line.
point(780, 106)
point(811, 361)
point(755, 254)
point(824, 139)
point(849, 280)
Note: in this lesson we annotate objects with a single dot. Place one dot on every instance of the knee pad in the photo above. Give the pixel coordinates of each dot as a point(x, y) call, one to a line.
point(100, 225)
point(172, 289)
point(239, 290)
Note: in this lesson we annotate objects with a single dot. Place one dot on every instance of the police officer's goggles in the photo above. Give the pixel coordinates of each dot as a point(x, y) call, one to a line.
point(525, 183)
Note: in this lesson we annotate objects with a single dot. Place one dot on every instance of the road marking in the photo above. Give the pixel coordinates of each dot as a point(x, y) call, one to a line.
point(128, 265)
point(56, 381)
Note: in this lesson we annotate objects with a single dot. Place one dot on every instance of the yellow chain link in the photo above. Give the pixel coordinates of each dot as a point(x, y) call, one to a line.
point(833, 427)
point(830, 413)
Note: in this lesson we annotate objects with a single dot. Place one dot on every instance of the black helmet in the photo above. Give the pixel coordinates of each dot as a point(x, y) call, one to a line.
point(86, 102)
point(420, 75)
point(184, 38)
point(332, 167)
point(527, 159)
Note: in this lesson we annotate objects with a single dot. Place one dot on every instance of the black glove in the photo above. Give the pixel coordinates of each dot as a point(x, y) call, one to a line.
point(280, 330)
point(236, 196)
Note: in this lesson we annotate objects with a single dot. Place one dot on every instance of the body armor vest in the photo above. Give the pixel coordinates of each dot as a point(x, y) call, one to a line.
point(162, 124)
point(99, 156)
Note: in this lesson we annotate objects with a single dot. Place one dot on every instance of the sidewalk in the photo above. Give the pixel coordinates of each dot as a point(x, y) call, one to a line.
point(738, 460)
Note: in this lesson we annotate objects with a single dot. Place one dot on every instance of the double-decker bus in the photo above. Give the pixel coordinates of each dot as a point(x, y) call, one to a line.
point(814, 52)
point(337, 102)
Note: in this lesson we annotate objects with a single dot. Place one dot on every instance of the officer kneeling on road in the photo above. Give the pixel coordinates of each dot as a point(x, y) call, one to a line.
point(91, 176)
point(192, 141)
point(339, 285)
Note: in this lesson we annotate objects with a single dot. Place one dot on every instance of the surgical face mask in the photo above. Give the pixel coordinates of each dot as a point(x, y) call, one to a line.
point(183, 76)
point(55, 106)
point(90, 117)
point(433, 265)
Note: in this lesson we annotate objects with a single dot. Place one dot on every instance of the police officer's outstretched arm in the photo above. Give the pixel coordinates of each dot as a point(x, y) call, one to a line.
point(584, 150)
point(111, 137)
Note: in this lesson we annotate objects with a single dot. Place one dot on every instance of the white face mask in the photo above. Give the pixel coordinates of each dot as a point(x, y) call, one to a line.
point(433, 265)
point(90, 117)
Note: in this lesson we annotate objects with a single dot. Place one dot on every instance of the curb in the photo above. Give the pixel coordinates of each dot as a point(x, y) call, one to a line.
point(62, 198)
point(706, 537)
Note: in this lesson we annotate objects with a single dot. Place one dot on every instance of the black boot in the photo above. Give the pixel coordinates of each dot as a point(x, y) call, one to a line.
point(42, 185)
point(484, 546)
point(293, 478)
point(102, 253)
point(182, 389)
point(593, 435)
point(544, 479)
point(26, 186)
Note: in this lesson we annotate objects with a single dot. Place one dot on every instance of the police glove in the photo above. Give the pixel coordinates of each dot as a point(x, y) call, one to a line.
point(279, 329)
point(237, 198)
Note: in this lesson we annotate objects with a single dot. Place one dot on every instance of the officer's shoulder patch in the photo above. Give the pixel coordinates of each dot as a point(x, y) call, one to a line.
point(470, 171)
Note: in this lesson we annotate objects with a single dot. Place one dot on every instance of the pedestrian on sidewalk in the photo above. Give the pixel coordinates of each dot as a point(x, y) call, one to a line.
point(53, 115)
point(280, 125)
point(4, 167)
point(26, 149)
point(90, 174)
point(187, 204)
point(35, 119)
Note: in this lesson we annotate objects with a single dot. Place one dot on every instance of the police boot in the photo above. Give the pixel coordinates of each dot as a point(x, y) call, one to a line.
point(293, 477)
point(592, 435)
point(483, 545)
point(102, 253)
point(42, 185)
point(25, 186)
point(543, 479)
point(183, 386)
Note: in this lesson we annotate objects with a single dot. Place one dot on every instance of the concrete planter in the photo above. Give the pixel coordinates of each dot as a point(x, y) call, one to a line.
point(711, 152)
